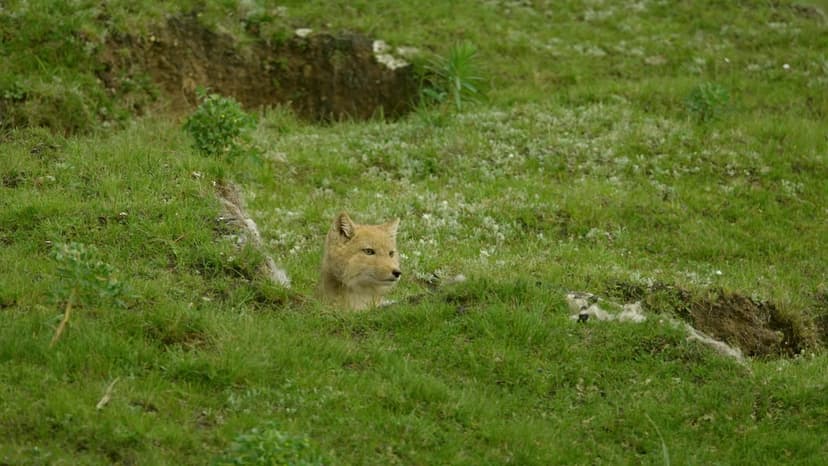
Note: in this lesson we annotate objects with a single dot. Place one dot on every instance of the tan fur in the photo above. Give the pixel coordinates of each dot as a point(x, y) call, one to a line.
point(361, 263)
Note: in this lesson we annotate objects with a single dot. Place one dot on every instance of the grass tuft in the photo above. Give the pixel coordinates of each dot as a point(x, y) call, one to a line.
point(707, 101)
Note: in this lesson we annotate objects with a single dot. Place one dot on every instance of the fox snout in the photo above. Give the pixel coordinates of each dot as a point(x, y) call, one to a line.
point(395, 276)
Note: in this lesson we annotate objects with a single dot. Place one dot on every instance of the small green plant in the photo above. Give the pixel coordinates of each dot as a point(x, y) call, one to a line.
point(269, 446)
point(707, 101)
point(13, 90)
point(84, 278)
point(219, 125)
point(456, 78)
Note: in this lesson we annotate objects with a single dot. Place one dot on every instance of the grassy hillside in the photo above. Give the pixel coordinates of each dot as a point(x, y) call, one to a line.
point(672, 153)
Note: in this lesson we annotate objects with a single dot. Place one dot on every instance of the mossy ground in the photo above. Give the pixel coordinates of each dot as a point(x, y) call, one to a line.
point(585, 169)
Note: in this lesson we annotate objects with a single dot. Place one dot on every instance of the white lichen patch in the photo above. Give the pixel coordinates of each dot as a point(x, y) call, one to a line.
point(390, 61)
point(303, 32)
point(719, 346)
point(382, 53)
point(407, 51)
point(380, 46)
point(587, 307)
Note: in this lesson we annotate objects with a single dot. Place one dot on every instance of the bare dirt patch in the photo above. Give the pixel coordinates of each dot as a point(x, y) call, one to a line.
point(758, 328)
point(321, 76)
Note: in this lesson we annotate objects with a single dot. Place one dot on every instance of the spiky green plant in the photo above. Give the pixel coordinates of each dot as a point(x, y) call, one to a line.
point(456, 78)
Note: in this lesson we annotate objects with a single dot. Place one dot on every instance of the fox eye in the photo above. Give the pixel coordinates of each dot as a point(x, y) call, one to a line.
point(369, 251)
point(391, 254)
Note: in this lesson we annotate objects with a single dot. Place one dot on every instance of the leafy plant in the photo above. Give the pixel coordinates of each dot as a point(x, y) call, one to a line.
point(12, 90)
point(219, 125)
point(456, 78)
point(707, 101)
point(84, 277)
point(269, 446)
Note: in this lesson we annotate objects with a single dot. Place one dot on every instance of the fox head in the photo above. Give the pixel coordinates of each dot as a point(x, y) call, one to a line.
point(363, 256)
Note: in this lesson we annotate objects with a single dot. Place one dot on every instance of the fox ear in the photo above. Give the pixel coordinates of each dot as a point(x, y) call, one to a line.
point(344, 226)
point(391, 227)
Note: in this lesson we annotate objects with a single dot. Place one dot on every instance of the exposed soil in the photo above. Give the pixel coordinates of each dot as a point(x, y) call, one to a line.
point(321, 76)
point(758, 328)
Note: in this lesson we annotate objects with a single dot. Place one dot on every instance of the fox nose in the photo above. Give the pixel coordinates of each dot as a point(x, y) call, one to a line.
point(396, 273)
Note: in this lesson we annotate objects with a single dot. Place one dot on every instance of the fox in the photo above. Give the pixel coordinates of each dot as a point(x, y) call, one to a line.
point(360, 263)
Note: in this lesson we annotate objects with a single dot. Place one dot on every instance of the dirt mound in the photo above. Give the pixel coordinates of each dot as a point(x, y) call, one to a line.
point(321, 76)
point(756, 327)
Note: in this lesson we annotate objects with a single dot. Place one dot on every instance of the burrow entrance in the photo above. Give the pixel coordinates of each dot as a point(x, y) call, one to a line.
point(321, 76)
point(758, 328)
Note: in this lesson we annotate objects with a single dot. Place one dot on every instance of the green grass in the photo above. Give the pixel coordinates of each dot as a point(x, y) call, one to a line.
point(584, 169)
